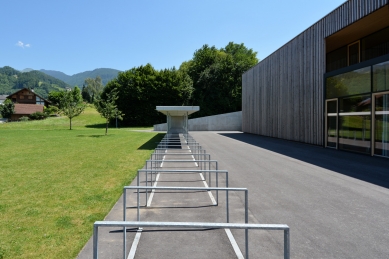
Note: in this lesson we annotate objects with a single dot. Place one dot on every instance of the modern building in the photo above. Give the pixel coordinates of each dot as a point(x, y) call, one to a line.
point(329, 85)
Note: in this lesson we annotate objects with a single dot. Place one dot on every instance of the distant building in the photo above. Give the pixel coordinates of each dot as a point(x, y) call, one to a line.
point(2, 98)
point(26, 102)
point(329, 85)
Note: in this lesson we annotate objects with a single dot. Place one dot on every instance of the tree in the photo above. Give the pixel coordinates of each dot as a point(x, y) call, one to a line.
point(93, 87)
point(141, 89)
point(71, 104)
point(55, 97)
point(85, 94)
point(107, 108)
point(217, 77)
point(7, 108)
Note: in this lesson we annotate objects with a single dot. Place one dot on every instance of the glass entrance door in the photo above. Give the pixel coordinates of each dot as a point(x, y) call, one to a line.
point(381, 124)
point(332, 123)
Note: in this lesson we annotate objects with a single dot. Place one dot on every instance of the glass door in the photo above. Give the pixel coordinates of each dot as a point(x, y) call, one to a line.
point(332, 123)
point(355, 123)
point(381, 124)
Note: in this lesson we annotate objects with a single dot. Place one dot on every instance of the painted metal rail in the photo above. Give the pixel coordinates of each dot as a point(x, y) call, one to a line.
point(227, 189)
point(170, 145)
point(191, 225)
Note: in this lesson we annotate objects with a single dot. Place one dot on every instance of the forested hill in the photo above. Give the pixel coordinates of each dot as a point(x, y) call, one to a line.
point(106, 74)
point(11, 80)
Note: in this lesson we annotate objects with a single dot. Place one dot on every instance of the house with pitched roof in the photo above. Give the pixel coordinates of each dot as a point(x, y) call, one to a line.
point(26, 102)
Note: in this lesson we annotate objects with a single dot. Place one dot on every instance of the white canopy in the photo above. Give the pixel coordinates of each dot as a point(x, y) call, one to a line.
point(178, 110)
point(177, 117)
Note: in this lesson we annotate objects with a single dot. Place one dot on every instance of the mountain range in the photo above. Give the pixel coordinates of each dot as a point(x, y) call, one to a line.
point(45, 81)
point(11, 80)
point(106, 74)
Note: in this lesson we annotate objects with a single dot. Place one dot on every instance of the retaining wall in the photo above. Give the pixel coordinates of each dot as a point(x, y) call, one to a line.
point(222, 122)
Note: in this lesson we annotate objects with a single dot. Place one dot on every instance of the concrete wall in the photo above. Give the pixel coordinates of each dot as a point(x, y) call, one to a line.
point(222, 122)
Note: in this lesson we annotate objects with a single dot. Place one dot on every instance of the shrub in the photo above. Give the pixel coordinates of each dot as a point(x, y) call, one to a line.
point(7, 109)
point(24, 118)
point(51, 110)
point(38, 116)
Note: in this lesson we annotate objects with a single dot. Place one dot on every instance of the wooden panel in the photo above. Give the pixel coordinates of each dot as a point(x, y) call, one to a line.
point(359, 29)
point(283, 95)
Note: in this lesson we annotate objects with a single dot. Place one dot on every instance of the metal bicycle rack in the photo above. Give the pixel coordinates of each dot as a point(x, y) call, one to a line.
point(169, 146)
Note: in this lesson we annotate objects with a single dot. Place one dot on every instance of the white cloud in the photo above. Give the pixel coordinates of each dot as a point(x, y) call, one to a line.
point(22, 45)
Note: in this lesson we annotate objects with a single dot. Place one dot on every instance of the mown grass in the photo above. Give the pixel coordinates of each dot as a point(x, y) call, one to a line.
point(55, 182)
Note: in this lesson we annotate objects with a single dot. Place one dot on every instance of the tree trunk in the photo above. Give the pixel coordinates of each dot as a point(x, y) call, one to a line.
point(106, 127)
point(70, 123)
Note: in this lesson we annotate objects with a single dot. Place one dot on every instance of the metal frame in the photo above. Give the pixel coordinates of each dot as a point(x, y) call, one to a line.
point(373, 120)
point(359, 51)
point(198, 152)
point(195, 225)
point(202, 164)
point(227, 189)
point(326, 122)
point(183, 171)
point(182, 154)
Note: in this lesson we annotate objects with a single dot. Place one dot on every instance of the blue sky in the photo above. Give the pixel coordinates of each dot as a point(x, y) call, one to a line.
point(73, 36)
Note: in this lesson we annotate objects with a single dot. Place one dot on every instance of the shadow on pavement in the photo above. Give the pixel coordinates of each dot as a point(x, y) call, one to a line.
point(162, 230)
point(152, 143)
point(374, 170)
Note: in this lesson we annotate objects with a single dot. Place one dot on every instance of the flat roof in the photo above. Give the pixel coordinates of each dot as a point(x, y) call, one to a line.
point(177, 110)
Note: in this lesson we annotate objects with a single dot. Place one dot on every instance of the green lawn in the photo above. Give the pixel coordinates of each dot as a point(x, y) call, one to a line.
point(55, 182)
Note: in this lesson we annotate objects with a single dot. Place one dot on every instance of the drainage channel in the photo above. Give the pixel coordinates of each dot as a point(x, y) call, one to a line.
point(181, 187)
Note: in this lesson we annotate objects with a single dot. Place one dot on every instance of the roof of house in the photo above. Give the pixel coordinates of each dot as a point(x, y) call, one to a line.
point(9, 96)
point(3, 97)
point(21, 108)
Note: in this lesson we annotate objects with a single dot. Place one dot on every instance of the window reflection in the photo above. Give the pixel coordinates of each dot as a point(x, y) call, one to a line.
point(381, 125)
point(332, 116)
point(354, 123)
point(354, 82)
point(381, 77)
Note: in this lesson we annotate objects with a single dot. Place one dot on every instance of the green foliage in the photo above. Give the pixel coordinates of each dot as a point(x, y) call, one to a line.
point(38, 116)
point(85, 95)
point(12, 80)
point(7, 109)
point(2, 253)
point(24, 118)
point(107, 107)
point(71, 104)
point(106, 75)
point(92, 88)
point(51, 110)
point(141, 89)
point(217, 77)
point(55, 97)
point(48, 226)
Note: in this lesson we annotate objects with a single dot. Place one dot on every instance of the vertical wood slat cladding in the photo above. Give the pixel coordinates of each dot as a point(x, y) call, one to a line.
point(283, 95)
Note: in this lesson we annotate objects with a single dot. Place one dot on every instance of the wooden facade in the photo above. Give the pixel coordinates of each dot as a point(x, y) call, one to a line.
point(283, 95)
point(27, 96)
point(26, 102)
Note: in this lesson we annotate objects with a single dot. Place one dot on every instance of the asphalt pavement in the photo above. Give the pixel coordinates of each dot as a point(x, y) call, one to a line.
point(335, 203)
